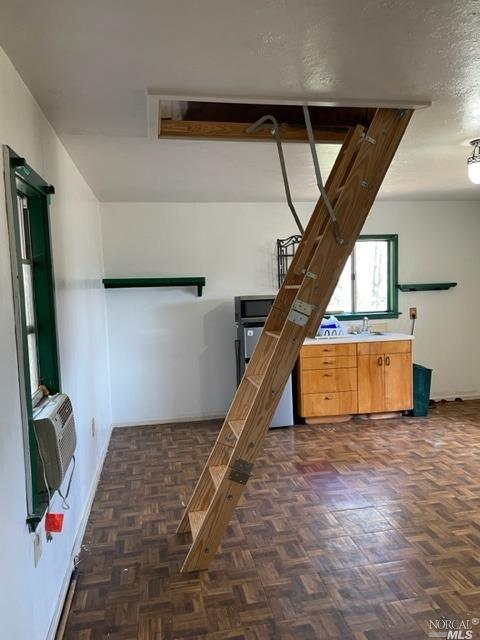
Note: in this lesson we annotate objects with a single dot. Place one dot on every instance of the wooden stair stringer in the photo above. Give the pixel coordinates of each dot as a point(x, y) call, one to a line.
point(354, 201)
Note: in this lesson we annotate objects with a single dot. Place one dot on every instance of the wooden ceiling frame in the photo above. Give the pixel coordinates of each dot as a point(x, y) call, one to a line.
point(220, 128)
point(204, 130)
point(210, 120)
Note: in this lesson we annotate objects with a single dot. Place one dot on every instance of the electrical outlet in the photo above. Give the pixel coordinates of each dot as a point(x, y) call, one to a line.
point(413, 313)
point(94, 427)
point(37, 548)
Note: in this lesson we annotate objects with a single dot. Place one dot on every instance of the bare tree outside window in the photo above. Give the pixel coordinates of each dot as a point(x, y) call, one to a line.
point(365, 283)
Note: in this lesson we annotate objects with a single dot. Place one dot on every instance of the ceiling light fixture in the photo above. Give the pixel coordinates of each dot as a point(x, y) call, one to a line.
point(473, 162)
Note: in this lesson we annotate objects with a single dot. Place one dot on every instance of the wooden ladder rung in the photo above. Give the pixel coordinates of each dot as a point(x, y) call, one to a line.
point(273, 334)
point(292, 286)
point(236, 426)
point(217, 474)
point(196, 519)
point(255, 380)
point(230, 445)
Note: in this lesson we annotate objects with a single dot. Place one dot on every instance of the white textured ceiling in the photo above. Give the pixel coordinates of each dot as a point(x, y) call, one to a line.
point(89, 64)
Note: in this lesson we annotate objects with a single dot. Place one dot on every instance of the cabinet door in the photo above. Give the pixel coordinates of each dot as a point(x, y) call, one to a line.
point(371, 395)
point(398, 381)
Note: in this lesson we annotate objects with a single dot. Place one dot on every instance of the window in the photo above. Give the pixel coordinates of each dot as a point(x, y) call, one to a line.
point(33, 286)
point(368, 284)
point(30, 315)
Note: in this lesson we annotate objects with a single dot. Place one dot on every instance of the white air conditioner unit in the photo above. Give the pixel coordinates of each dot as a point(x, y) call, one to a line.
point(56, 439)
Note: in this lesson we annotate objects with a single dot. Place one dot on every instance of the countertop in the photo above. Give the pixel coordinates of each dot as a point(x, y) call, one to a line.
point(359, 337)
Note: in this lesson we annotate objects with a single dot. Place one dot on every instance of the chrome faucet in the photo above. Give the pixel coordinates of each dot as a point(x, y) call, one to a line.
point(365, 327)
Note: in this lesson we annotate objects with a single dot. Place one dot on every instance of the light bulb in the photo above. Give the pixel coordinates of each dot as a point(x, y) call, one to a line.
point(473, 162)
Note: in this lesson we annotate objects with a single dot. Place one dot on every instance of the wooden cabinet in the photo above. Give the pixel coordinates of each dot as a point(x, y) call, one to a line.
point(338, 380)
point(384, 376)
point(327, 382)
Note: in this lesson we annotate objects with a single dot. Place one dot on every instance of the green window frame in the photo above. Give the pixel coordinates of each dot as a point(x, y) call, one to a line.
point(392, 280)
point(27, 203)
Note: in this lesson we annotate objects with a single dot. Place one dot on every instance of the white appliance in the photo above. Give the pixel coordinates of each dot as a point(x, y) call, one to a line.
point(56, 437)
point(251, 313)
point(283, 416)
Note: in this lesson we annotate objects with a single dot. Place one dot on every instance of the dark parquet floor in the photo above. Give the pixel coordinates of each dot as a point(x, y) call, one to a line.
point(365, 531)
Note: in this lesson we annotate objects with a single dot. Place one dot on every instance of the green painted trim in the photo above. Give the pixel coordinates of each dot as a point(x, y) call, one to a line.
point(11, 161)
point(23, 171)
point(434, 286)
point(43, 280)
point(392, 311)
point(22, 179)
point(373, 315)
point(181, 281)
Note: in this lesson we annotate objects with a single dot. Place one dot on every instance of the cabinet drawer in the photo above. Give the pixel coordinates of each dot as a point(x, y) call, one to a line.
point(318, 350)
point(379, 348)
point(329, 362)
point(329, 380)
point(329, 404)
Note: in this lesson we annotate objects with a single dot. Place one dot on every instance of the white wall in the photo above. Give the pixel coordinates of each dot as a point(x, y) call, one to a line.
point(28, 595)
point(171, 354)
point(438, 243)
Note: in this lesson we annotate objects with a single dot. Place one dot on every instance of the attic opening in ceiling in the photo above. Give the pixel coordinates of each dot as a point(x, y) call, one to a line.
point(230, 120)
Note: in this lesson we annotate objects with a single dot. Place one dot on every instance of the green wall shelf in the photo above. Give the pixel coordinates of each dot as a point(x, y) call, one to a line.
point(124, 283)
point(433, 286)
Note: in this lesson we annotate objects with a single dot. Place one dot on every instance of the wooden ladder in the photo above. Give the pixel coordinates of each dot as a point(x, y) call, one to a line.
point(296, 313)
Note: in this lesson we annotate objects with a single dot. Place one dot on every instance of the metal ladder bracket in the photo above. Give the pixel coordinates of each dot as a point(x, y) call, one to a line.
point(301, 312)
point(369, 139)
point(318, 174)
point(275, 131)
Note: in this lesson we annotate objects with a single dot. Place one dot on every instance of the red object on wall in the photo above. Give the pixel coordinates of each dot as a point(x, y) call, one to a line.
point(54, 522)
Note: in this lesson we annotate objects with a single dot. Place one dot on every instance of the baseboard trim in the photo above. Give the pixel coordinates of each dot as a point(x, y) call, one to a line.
point(452, 397)
point(52, 631)
point(148, 423)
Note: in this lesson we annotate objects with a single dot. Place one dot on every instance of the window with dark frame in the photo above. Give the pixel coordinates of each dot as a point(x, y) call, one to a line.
point(27, 200)
point(368, 284)
point(28, 288)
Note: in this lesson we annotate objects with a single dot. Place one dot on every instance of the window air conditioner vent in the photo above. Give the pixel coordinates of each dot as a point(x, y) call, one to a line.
point(65, 410)
point(56, 439)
